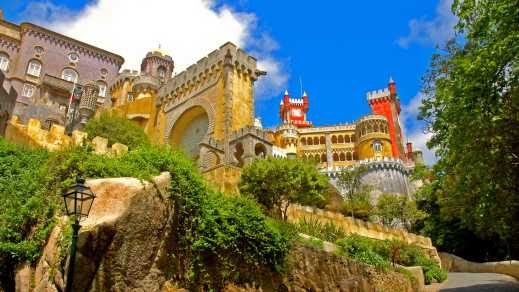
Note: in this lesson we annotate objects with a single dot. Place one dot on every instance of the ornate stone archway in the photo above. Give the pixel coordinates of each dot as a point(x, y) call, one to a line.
point(190, 116)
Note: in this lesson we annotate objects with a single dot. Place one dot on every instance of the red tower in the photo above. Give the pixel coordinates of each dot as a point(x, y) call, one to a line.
point(293, 110)
point(386, 102)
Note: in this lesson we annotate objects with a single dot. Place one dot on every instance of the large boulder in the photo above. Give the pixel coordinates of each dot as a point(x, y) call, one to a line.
point(118, 243)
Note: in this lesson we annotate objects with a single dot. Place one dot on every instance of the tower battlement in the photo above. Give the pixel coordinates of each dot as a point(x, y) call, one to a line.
point(379, 94)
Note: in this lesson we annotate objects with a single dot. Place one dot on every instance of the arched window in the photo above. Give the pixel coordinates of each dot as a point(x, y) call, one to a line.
point(334, 139)
point(303, 141)
point(342, 157)
point(316, 141)
point(369, 129)
point(355, 156)
point(34, 68)
point(353, 138)
point(321, 140)
point(347, 139)
point(363, 131)
point(102, 88)
point(28, 90)
point(4, 62)
point(309, 141)
point(348, 156)
point(323, 157)
point(69, 75)
point(335, 157)
point(161, 71)
point(377, 146)
point(375, 128)
point(341, 139)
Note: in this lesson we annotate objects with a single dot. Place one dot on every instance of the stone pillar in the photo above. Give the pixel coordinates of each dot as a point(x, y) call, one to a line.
point(228, 72)
point(329, 154)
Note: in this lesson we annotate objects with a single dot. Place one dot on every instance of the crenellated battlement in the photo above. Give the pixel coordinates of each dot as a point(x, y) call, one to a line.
point(205, 71)
point(55, 139)
point(250, 130)
point(379, 94)
point(296, 101)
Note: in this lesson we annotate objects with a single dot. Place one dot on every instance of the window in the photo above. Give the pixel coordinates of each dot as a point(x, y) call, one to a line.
point(377, 146)
point(28, 90)
point(34, 68)
point(102, 88)
point(130, 97)
point(4, 62)
point(69, 75)
point(161, 72)
point(38, 50)
point(73, 57)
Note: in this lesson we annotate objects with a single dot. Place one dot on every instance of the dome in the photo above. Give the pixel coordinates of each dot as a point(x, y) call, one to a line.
point(160, 51)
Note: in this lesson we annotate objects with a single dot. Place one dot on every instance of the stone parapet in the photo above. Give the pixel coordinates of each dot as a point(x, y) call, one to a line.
point(249, 130)
point(362, 228)
point(55, 139)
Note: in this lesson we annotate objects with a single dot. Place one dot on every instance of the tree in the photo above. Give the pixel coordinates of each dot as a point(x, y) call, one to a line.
point(471, 106)
point(360, 205)
point(350, 183)
point(394, 210)
point(116, 129)
point(277, 183)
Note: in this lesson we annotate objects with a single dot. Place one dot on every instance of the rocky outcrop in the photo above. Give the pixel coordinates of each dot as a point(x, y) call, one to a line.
point(118, 245)
point(310, 269)
point(122, 247)
point(454, 263)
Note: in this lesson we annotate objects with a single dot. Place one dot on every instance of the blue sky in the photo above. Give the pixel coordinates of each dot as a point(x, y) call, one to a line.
point(340, 49)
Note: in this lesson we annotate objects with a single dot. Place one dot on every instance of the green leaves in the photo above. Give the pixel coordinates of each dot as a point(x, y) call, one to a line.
point(472, 106)
point(276, 183)
point(116, 129)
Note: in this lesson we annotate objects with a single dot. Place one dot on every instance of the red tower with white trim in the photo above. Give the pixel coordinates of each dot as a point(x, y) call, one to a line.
point(386, 102)
point(293, 110)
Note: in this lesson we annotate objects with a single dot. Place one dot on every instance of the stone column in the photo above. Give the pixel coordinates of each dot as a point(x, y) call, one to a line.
point(329, 154)
point(228, 72)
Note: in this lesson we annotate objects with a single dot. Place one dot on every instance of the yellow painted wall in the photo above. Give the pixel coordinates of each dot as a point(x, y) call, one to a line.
point(243, 101)
point(365, 150)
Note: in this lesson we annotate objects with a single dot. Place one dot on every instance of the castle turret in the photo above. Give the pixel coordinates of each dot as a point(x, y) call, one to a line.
point(386, 102)
point(293, 110)
point(158, 64)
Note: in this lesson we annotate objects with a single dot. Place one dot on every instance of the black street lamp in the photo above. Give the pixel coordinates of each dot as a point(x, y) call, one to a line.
point(78, 201)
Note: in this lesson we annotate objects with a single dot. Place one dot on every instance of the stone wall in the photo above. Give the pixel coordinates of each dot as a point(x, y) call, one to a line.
point(454, 263)
point(224, 178)
point(32, 135)
point(363, 228)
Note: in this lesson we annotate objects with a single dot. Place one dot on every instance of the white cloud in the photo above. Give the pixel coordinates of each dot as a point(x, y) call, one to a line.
point(187, 29)
point(434, 31)
point(414, 129)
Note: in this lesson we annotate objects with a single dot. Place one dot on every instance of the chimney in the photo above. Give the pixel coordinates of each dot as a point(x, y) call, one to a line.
point(392, 87)
point(409, 147)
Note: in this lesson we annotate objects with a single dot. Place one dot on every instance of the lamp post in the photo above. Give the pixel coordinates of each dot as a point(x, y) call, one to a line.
point(78, 201)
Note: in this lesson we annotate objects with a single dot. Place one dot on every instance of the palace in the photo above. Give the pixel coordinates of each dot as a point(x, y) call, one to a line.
point(42, 67)
point(207, 110)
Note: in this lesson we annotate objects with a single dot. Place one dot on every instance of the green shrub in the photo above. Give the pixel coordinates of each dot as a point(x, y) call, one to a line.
point(433, 273)
point(326, 231)
point(233, 240)
point(364, 250)
point(117, 129)
point(211, 235)
point(276, 183)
